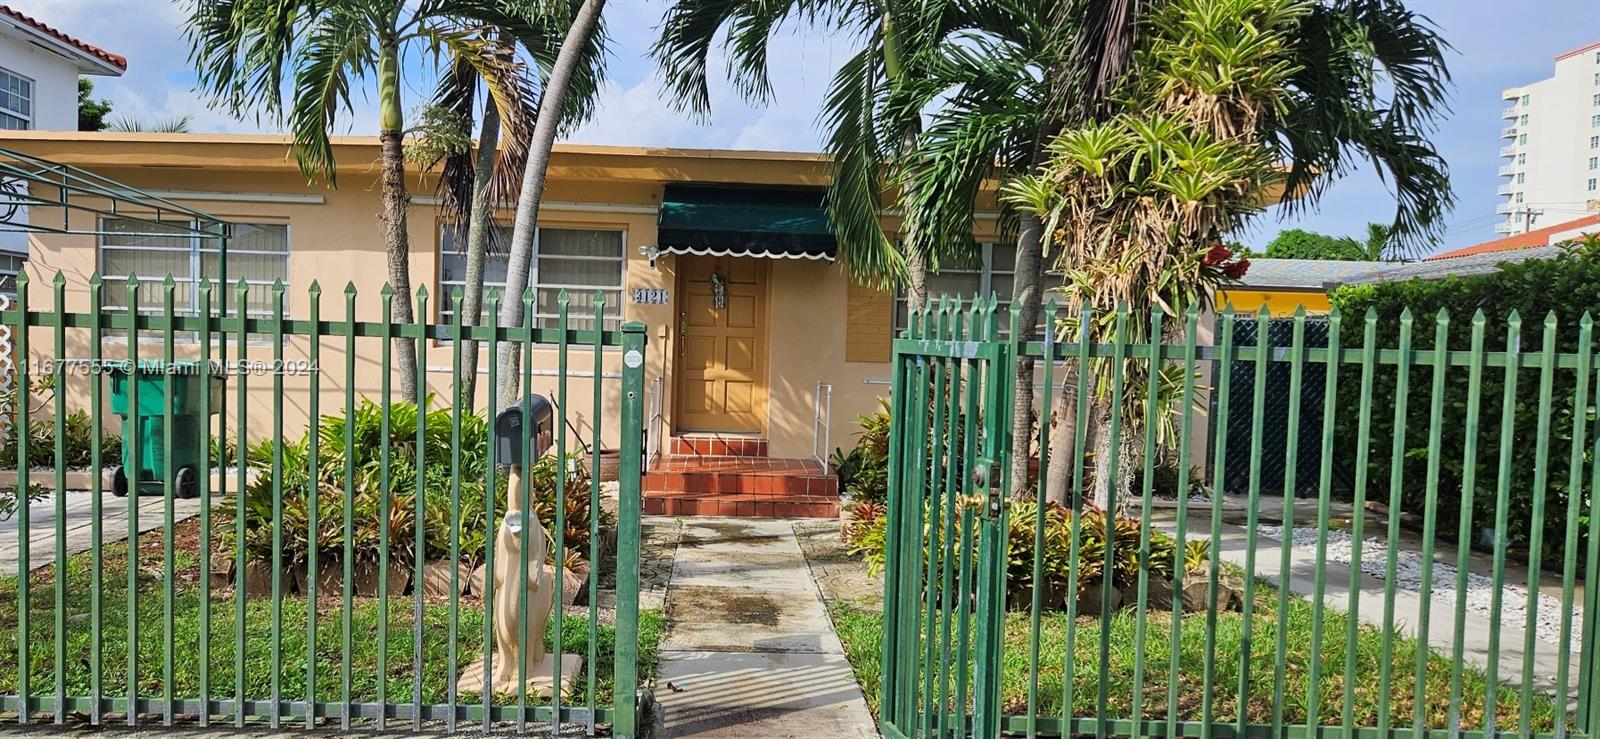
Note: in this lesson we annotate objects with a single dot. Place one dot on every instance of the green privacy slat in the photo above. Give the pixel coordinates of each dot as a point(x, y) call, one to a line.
point(60, 662)
point(1257, 420)
point(1491, 693)
point(1392, 539)
point(385, 496)
point(1569, 547)
point(1430, 528)
point(1541, 479)
point(1214, 572)
point(1291, 450)
point(277, 499)
point(1469, 484)
point(314, 508)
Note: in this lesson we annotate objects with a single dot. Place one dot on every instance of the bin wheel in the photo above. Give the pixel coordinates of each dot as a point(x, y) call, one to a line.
point(119, 482)
point(184, 484)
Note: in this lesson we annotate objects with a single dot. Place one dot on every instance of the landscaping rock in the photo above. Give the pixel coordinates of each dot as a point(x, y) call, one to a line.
point(1089, 599)
point(436, 579)
point(365, 575)
point(221, 570)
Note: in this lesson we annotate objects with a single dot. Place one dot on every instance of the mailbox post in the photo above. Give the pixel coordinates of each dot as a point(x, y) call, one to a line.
point(512, 628)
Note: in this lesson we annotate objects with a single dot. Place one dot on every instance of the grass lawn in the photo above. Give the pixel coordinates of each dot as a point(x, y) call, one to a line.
point(259, 657)
point(861, 631)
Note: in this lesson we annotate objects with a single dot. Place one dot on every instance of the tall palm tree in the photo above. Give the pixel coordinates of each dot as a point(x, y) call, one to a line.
point(295, 61)
point(1371, 80)
point(867, 135)
point(571, 81)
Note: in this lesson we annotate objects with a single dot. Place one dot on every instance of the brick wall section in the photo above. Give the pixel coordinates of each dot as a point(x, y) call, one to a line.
point(869, 324)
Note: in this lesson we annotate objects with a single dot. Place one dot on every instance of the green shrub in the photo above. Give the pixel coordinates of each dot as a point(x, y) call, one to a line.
point(1564, 287)
point(366, 467)
point(77, 442)
point(867, 537)
point(864, 471)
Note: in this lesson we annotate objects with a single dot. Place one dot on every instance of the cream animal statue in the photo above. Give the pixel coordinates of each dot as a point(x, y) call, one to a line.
point(509, 630)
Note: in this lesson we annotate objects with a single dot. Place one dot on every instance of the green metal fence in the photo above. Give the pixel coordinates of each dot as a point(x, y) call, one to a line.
point(261, 611)
point(1325, 616)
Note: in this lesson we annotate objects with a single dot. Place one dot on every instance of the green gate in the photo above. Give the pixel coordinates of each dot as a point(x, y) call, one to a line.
point(1446, 592)
point(303, 584)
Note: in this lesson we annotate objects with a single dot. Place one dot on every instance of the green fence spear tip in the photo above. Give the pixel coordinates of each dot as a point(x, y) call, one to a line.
point(315, 290)
point(350, 289)
point(1586, 321)
point(22, 278)
point(493, 298)
point(599, 298)
point(132, 281)
point(387, 291)
point(422, 292)
point(94, 279)
point(1227, 309)
point(1550, 320)
point(562, 298)
point(1300, 312)
point(456, 295)
point(1514, 318)
point(1372, 316)
point(1443, 317)
point(61, 279)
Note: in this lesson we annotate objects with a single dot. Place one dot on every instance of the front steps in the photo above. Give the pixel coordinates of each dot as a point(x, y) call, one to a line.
point(708, 475)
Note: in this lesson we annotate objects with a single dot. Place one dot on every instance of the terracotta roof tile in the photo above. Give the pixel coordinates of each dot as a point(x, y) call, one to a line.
point(118, 60)
point(1536, 237)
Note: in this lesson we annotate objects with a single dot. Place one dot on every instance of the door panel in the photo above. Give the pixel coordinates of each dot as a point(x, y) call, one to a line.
point(722, 354)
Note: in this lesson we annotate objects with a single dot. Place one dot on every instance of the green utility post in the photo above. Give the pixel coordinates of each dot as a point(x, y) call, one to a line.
point(628, 504)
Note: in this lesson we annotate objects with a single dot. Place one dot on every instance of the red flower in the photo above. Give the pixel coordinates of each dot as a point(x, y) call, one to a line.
point(1236, 270)
point(1217, 254)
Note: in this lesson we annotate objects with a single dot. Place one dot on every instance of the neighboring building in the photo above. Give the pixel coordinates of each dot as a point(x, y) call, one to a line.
point(39, 69)
point(1552, 144)
point(1547, 236)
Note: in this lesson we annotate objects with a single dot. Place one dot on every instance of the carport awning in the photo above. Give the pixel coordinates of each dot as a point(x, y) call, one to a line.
point(736, 221)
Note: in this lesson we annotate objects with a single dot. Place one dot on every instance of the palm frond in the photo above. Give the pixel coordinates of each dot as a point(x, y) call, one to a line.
point(855, 194)
point(336, 48)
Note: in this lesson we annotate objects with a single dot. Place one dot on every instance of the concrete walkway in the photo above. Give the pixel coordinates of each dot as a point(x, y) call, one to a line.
point(79, 524)
point(750, 651)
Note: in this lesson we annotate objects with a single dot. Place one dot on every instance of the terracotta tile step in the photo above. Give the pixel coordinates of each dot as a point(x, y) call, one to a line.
point(747, 483)
point(692, 504)
point(713, 445)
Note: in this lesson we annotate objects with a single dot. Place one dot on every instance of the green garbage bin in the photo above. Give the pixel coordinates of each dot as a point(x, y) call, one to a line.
point(145, 468)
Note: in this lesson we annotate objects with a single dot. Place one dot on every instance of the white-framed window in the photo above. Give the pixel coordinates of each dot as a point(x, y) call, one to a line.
point(10, 266)
point(16, 101)
point(991, 271)
point(258, 253)
point(1522, 159)
point(1594, 142)
point(1522, 140)
point(1597, 100)
point(1525, 99)
point(1522, 177)
point(1519, 197)
point(581, 261)
point(1596, 121)
point(1594, 163)
point(1523, 121)
point(1592, 184)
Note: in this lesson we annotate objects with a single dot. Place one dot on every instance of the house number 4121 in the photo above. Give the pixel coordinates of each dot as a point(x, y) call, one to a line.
point(649, 296)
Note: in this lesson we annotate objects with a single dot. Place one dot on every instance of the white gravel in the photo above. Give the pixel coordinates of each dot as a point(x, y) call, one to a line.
point(1408, 576)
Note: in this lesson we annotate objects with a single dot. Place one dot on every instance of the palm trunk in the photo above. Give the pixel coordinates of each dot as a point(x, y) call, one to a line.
point(395, 199)
point(1057, 478)
point(533, 179)
point(1026, 292)
point(480, 223)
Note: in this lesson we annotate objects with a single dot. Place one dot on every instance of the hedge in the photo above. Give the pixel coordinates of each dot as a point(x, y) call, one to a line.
point(1565, 287)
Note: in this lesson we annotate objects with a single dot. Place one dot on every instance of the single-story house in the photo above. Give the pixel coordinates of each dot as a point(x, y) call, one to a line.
point(650, 229)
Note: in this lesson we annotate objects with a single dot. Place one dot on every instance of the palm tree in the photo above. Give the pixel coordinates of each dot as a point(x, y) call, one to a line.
point(867, 135)
point(174, 124)
point(1295, 87)
point(250, 55)
point(573, 80)
point(1370, 79)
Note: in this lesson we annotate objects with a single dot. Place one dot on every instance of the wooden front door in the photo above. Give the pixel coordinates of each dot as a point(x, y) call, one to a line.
point(722, 350)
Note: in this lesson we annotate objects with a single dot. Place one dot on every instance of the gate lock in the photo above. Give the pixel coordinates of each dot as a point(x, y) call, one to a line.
point(986, 475)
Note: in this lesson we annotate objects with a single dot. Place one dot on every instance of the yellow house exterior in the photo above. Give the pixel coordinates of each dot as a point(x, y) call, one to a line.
point(810, 329)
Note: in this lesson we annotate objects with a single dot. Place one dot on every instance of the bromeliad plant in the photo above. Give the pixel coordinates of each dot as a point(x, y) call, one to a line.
point(365, 463)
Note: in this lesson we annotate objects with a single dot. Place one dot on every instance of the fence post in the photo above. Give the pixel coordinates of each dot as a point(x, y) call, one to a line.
point(625, 725)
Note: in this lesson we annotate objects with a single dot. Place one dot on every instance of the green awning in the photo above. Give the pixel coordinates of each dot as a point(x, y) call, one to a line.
point(776, 223)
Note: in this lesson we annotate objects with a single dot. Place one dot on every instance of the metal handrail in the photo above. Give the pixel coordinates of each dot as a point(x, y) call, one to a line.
point(821, 422)
point(652, 424)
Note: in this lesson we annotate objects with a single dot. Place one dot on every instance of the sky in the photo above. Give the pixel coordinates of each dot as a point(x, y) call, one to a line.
point(1497, 44)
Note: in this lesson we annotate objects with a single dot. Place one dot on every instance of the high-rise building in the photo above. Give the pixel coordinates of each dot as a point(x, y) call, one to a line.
point(1552, 145)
